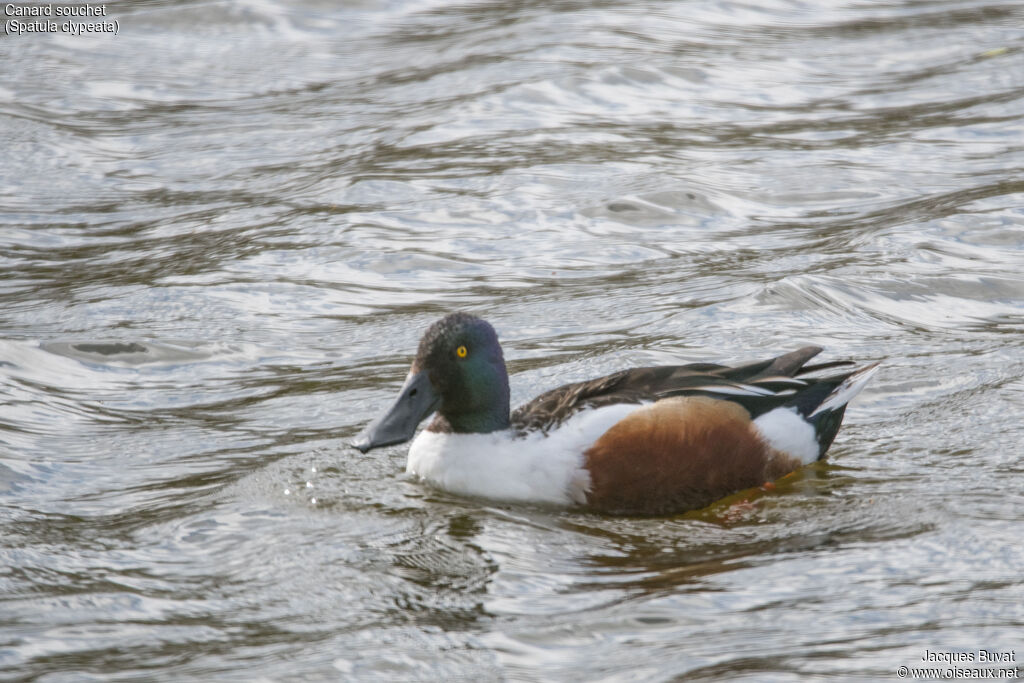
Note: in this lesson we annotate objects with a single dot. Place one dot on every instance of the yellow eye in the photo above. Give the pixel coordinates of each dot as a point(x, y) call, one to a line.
point(461, 352)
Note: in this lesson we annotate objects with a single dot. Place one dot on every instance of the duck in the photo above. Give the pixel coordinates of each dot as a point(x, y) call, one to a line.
point(642, 441)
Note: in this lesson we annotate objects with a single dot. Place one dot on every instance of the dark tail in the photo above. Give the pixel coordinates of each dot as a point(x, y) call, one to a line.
point(824, 404)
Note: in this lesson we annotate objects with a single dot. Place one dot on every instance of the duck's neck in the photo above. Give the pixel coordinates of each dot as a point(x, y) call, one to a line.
point(483, 408)
point(472, 423)
point(478, 403)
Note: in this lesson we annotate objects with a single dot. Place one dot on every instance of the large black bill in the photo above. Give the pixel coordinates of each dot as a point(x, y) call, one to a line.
point(416, 400)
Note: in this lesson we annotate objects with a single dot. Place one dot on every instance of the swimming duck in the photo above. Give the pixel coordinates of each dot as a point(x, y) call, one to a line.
point(643, 441)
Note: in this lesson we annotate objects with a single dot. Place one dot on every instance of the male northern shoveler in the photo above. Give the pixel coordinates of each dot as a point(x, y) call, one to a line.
point(641, 441)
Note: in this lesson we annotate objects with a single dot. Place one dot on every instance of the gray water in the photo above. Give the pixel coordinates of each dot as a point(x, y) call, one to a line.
point(223, 229)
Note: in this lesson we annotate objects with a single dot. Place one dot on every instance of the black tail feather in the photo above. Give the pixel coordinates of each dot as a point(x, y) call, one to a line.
point(826, 426)
point(807, 400)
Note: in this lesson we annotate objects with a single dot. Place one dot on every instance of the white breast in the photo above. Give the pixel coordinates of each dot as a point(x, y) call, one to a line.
point(535, 468)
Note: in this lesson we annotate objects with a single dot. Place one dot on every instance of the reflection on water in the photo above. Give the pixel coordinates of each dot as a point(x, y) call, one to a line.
point(223, 230)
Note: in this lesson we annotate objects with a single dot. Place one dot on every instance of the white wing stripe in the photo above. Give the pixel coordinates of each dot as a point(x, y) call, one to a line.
point(845, 392)
point(735, 390)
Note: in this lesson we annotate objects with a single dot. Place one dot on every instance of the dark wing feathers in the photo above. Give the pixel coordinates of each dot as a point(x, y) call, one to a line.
point(785, 365)
point(758, 387)
point(817, 367)
point(552, 407)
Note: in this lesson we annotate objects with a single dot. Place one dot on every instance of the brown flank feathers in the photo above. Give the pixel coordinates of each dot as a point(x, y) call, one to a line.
point(680, 453)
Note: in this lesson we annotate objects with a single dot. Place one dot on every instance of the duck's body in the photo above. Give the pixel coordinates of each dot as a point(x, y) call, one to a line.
point(527, 467)
point(640, 441)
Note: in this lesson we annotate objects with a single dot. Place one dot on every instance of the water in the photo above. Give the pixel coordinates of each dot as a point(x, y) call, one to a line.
point(223, 230)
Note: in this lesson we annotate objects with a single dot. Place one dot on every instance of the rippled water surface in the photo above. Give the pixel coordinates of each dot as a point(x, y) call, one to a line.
point(223, 229)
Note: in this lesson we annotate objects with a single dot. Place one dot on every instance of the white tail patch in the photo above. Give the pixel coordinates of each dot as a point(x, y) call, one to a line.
point(785, 430)
point(845, 392)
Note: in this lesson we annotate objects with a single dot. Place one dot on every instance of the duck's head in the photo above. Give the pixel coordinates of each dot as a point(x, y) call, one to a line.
point(459, 371)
